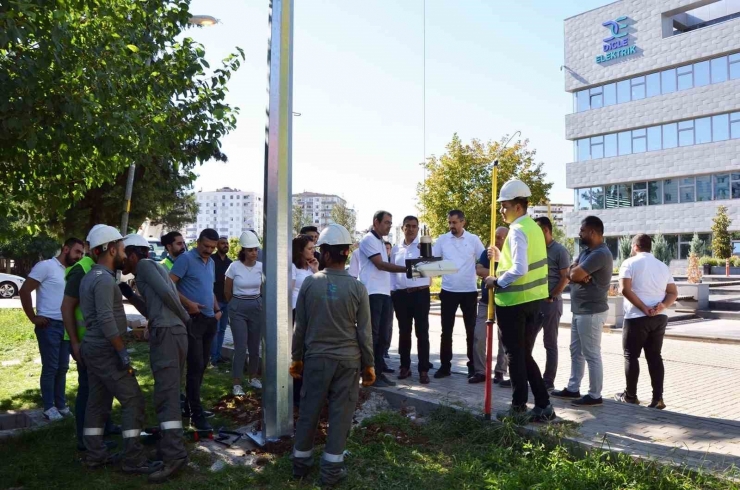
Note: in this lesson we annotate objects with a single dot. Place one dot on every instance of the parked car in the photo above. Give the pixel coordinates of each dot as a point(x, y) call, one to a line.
point(10, 285)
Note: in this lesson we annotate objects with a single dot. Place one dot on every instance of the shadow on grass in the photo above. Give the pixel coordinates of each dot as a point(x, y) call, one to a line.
point(29, 397)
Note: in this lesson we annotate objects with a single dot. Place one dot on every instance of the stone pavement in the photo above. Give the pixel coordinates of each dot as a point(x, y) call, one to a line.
point(700, 427)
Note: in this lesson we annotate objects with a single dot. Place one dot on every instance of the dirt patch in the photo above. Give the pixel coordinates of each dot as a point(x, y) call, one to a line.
point(377, 432)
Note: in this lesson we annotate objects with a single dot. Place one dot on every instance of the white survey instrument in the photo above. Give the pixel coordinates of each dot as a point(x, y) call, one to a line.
point(434, 269)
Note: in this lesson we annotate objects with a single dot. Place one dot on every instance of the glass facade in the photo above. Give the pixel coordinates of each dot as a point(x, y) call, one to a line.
point(685, 133)
point(716, 70)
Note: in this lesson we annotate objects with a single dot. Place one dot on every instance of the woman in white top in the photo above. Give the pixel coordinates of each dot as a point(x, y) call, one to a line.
point(243, 291)
point(304, 262)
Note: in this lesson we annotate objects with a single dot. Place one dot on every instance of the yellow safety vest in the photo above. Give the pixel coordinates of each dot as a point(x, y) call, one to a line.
point(167, 262)
point(86, 263)
point(533, 285)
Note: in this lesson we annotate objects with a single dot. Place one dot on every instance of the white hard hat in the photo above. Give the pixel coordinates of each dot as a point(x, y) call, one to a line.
point(91, 232)
point(249, 240)
point(513, 189)
point(134, 240)
point(334, 234)
point(103, 235)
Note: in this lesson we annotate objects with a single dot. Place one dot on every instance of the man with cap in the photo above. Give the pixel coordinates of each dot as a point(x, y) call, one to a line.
point(168, 347)
point(520, 285)
point(333, 336)
point(108, 363)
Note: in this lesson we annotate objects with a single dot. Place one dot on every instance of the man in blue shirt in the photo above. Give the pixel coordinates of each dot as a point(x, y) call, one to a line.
point(194, 273)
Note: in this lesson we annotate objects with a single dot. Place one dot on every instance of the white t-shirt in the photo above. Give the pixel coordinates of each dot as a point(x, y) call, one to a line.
point(399, 254)
point(649, 276)
point(375, 280)
point(247, 280)
point(300, 276)
point(50, 293)
point(464, 251)
point(354, 264)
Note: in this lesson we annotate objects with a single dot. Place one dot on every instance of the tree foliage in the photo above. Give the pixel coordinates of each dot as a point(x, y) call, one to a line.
point(24, 249)
point(558, 234)
point(721, 237)
point(625, 248)
point(88, 87)
point(662, 250)
point(461, 179)
point(342, 215)
point(300, 219)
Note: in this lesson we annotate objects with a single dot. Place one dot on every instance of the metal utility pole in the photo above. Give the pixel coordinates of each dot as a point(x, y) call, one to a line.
point(127, 198)
point(277, 385)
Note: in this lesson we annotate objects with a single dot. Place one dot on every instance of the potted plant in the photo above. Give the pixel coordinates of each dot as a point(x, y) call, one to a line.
point(706, 264)
point(693, 271)
point(615, 315)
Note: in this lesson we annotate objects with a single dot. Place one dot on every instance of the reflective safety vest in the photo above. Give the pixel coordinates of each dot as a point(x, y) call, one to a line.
point(532, 286)
point(167, 262)
point(86, 263)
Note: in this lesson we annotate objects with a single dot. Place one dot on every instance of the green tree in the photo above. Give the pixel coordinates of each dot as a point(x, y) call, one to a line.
point(461, 179)
point(721, 238)
point(234, 248)
point(24, 249)
point(342, 215)
point(300, 219)
point(625, 248)
point(662, 250)
point(90, 87)
point(558, 234)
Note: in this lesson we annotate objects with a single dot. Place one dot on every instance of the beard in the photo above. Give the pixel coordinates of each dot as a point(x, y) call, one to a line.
point(118, 263)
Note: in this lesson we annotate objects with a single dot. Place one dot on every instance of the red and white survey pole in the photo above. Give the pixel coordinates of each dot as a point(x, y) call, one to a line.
point(491, 304)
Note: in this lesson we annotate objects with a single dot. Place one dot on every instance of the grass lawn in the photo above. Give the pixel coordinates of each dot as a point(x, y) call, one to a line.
point(453, 450)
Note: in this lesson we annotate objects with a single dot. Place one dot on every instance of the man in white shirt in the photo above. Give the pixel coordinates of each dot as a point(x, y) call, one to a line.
point(47, 279)
point(411, 303)
point(375, 274)
point(354, 262)
point(460, 289)
point(648, 289)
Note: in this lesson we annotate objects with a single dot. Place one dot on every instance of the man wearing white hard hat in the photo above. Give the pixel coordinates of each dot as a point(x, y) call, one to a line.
point(108, 363)
point(521, 284)
point(168, 347)
point(243, 292)
point(333, 336)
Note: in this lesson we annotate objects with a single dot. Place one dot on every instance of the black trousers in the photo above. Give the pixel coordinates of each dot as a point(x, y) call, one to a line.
point(201, 331)
point(647, 333)
point(518, 326)
point(413, 308)
point(381, 319)
point(468, 303)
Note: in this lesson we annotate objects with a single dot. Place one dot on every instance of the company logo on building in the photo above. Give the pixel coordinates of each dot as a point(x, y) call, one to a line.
point(616, 45)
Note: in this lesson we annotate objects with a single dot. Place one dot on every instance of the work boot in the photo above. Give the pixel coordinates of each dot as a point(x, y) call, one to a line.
point(169, 469)
point(424, 378)
point(200, 423)
point(657, 404)
point(382, 381)
point(477, 378)
point(146, 467)
point(110, 459)
point(442, 373)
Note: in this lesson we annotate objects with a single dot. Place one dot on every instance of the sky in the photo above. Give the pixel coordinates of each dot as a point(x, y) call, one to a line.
point(492, 68)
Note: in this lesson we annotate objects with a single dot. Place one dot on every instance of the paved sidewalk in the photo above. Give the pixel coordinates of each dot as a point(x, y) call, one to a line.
point(700, 427)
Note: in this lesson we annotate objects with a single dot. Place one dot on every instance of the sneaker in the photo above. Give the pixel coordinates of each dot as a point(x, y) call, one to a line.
point(255, 383)
point(65, 412)
point(238, 390)
point(145, 468)
point(200, 423)
point(169, 469)
point(657, 404)
point(625, 398)
point(566, 393)
point(382, 381)
point(477, 378)
point(497, 378)
point(587, 401)
point(404, 373)
point(538, 414)
point(505, 383)
point(518, 413)
point(53, 414)
point(442, 373)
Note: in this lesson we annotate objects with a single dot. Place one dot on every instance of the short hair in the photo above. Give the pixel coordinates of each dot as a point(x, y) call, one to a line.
point(387, 244)
point(72, 241)
point(299, 245)
point(545, 222)
point(643, 242)
point(594, 223)
point(306, 229)
point(169, 238)
point(457, 213)
point(379, 215)
point(337, 253)
point(141, 252)
point(223, 237)
point(410, 218)
point(208, 234)
point(523, 202)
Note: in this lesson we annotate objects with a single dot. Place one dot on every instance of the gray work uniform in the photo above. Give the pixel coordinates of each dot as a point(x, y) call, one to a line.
point(558, 258)
point(102, 308)
point(168, 350)
point(333, 336)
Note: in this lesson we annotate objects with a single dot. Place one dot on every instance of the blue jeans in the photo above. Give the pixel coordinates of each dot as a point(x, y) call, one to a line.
point(585, 347)
point(54, 352)
point(218, 340)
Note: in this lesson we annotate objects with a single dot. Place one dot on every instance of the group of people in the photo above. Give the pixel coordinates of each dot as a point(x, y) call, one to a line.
point(342, 323)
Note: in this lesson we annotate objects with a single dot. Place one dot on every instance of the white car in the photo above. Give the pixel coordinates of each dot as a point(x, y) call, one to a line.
point(10, 285)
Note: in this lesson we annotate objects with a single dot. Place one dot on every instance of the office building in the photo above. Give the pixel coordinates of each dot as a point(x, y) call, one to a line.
point(317, 207)
point(656, 117)
point(228, 211)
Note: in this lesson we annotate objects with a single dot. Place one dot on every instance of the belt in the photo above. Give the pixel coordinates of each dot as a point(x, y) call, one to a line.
point(411, 290)
point(251, 297)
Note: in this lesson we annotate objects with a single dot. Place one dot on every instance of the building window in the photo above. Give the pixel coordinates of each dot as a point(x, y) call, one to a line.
point(668, 81)
point(734, 60)
point(597, 148)
point(623, 91)
point(618, 196)
point(735, 185)
point(735, 125)
point(721, 127)
point(719, 69)
point(639, 194)
point(703, 130)
point(610, 92)
point(596, 98)
point(638, 88)
point(670, 136)
point(686, 189)
point(584, 150)
point(670, 191)
point(704, 188)
point(686, 133)
point(610, 145)
point(685, 77)
point(655, 192)
point(702, 75)
point(639, 141)
point(625, 142)
point(722, 186)
point(654, 140)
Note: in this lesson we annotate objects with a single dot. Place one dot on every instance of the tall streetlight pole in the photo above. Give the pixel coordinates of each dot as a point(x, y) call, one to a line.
point(197, 20)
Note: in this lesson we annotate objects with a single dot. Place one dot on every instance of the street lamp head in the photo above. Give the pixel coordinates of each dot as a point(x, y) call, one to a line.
point(203, 20)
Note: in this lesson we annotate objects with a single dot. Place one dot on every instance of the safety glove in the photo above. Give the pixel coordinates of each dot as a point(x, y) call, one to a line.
point(296, 369)
point(124, 362)
point(368, 376)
